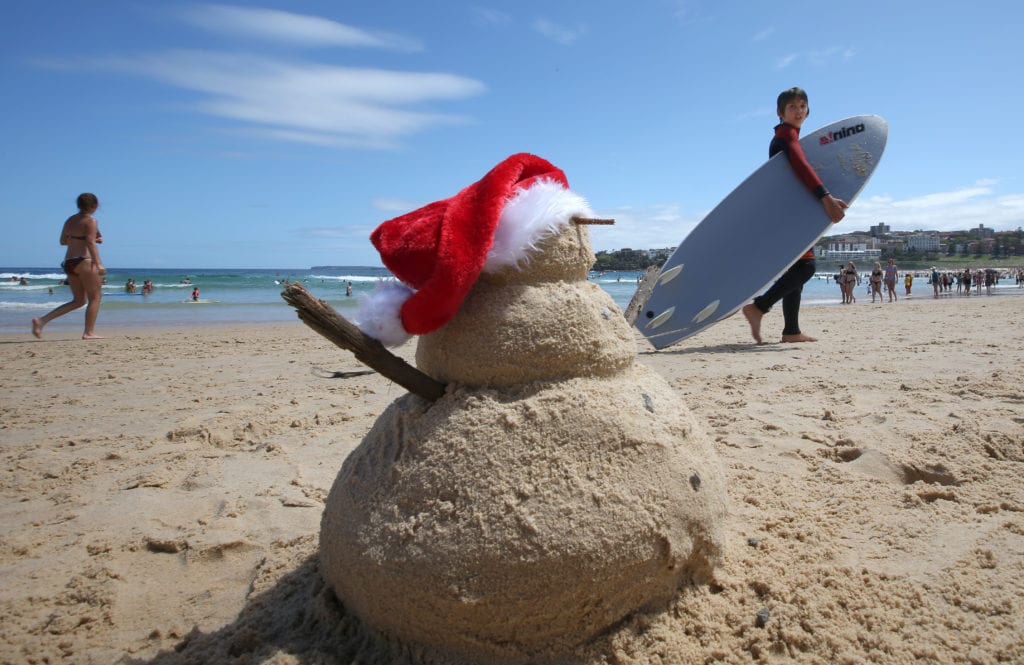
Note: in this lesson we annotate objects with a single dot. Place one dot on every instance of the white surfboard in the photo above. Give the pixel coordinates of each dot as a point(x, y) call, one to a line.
point(758, 231)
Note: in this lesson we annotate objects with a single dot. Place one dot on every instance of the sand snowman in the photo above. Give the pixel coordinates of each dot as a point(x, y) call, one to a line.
point(558, 485)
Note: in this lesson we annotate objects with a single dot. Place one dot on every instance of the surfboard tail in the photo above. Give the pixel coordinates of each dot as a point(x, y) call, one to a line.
point(643, 294)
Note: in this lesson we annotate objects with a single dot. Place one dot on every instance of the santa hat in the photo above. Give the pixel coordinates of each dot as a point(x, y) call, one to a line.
point(439, 251)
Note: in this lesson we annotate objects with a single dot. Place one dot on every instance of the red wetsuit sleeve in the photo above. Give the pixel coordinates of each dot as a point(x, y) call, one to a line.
point(787, 137)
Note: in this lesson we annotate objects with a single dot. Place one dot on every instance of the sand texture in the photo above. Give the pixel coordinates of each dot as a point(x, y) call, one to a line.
point(161, 494)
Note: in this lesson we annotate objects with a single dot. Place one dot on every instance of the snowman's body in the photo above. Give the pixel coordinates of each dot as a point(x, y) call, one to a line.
point(557, 487)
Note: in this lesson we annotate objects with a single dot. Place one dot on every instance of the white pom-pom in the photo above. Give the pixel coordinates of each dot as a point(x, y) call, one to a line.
point(380, 313)
point(528, 217)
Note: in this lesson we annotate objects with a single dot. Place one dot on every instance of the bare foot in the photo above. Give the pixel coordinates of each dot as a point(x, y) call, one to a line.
point(37, 328)
point(754, 315)
point(93, 336)
point(799, 338)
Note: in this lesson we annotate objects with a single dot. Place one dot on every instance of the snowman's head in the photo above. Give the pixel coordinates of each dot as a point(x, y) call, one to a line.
point(439, 251)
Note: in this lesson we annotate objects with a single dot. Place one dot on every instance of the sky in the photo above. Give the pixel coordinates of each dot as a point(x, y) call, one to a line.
point(280, 134)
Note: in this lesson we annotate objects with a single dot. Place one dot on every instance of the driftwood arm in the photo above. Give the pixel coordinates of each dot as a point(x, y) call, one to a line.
point(576, 219)
point(326, 320)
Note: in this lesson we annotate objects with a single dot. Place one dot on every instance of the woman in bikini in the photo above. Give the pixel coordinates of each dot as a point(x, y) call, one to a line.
point(83, 267)
point(876, 282)
point(890, 280)
point(850, 280)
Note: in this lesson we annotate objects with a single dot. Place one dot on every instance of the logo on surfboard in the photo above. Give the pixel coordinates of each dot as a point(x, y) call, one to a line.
point(832, 137)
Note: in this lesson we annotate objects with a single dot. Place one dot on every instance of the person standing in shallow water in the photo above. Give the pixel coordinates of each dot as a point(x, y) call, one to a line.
point(890, 280)
point(82, 265)
point(792, 108)
point(876, 282)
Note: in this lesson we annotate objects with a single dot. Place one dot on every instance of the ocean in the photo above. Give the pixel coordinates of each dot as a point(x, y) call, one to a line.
point(246, 296)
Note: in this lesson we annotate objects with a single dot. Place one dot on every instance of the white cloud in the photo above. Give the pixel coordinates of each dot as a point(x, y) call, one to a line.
point(394, 205)
point(296, 100)
point(491, 16)
point(347, 232)
point(785, 61)
point(762, 112)
point(307, 102)
point(821, 58)
point(827, 56)
point(1014, 202)
point(956, 210)
point(941, 199)
point(653, 226)
point(686, 12)
point(557, 33)
point(763, 34)
point(286, 27)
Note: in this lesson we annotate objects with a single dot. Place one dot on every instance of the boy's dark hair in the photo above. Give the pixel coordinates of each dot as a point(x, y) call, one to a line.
point(786, 96)
point(87, 201)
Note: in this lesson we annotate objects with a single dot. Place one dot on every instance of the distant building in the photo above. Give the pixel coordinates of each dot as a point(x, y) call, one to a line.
point(923, 241)
point(849, 249)
point(632, 255)
point(880, 230)
point(981, 232)
point(894, 245)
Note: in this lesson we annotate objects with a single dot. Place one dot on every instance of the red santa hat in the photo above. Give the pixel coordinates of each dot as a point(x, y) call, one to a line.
point(438, 251)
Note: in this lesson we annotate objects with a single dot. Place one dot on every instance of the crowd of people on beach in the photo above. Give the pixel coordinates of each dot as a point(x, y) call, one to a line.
point(942, 282)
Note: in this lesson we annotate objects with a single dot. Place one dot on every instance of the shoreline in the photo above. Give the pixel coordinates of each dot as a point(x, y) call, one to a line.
point(66, 327)
point(162, 491)
point(70, 334)
point(231, 297)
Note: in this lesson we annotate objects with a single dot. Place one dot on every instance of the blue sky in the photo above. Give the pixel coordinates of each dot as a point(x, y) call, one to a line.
point(279, 134)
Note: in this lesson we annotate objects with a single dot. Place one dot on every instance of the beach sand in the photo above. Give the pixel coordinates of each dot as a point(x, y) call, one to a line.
point(161, 493)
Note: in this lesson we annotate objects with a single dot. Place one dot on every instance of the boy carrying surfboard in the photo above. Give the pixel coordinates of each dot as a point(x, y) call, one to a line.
point(792, 108)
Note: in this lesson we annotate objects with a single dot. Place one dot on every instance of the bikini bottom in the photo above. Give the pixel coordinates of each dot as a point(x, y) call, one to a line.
point(69, 265)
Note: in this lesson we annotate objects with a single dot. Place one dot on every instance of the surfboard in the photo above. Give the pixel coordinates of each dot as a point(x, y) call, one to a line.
point(758, 231)
point(200, 302)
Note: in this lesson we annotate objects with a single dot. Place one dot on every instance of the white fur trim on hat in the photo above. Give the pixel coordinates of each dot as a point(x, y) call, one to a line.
point(528, 217)
point(380, 313)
